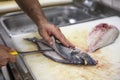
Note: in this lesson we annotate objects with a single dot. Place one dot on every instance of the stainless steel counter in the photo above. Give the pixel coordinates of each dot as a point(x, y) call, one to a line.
point(1, 76)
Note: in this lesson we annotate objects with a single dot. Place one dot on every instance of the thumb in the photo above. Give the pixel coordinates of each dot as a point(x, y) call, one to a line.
point(12, 58)
point(47, 38)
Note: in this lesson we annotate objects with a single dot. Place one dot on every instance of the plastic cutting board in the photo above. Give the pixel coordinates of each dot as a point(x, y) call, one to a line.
point(108, 67)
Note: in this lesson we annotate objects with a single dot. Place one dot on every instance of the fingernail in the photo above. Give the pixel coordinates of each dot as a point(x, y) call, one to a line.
point(68, 46)
point(51, 43)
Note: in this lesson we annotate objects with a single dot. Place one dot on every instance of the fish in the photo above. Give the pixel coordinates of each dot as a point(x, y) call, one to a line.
point(62, 54)
point(102, 35)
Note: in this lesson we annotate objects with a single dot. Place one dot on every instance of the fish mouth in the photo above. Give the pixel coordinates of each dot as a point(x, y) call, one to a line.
point(62, 54)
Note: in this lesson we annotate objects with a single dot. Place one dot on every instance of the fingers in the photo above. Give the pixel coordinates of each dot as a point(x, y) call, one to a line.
point(3, 61)
point(63, 39)
point(46, 36)
point(58, 35)
point(5, 57)
point(8, 58)
point(12, 58)
point(47, 30)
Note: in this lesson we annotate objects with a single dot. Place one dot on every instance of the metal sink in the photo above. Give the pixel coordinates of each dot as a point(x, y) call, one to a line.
point(62, 15)
point(18, 22)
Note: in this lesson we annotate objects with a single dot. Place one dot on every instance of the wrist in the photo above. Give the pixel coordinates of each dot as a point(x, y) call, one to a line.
point(42, 23)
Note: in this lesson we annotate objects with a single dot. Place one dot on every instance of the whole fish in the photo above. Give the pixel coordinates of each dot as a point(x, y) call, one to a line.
point(62, 54)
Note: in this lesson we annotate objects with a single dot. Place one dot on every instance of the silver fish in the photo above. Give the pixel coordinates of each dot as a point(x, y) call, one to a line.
point(62, 54)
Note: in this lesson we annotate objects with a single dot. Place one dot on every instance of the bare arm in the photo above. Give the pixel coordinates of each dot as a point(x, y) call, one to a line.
point(33, 9)
point(46, 29)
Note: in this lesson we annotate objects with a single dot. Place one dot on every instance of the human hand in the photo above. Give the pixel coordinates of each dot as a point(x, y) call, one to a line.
point(5, 55)
point(47, 29)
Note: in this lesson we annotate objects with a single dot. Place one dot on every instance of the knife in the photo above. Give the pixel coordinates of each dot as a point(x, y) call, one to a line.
point(4, 69)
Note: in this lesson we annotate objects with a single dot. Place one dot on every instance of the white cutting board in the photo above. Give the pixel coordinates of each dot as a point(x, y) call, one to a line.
point(108, 67)
point(22, 45)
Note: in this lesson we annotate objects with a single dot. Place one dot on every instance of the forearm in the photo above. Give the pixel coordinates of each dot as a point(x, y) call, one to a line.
point(46, 29)
point(33, 9)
